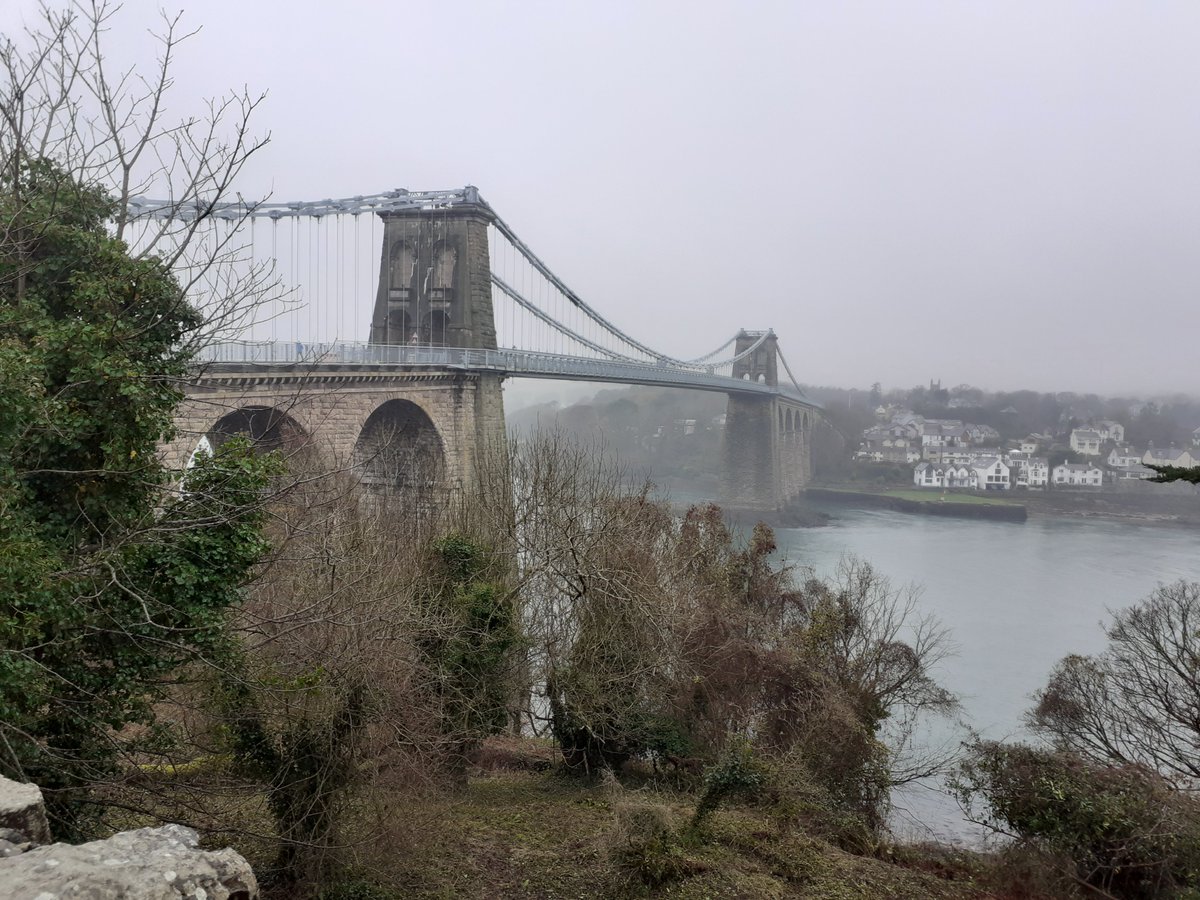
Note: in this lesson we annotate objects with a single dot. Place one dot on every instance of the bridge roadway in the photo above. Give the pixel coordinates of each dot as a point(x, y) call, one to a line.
point(240, 356)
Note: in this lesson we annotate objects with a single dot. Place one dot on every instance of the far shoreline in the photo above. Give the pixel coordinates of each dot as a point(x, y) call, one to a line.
point(1174, 510)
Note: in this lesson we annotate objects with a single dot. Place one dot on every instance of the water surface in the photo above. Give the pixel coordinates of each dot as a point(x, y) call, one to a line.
point(1016, 598)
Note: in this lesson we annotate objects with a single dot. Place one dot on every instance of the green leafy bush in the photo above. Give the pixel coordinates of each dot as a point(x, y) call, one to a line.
point(1125, 830)
point(468, 639)
point(736, 772)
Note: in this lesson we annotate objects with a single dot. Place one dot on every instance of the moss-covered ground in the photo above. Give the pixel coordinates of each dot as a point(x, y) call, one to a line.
point(546, 835)
point(523, 828)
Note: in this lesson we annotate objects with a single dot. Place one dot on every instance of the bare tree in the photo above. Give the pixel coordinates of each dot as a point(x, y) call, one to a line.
point(1138, 701)
point(63, 99)
point(657, 633)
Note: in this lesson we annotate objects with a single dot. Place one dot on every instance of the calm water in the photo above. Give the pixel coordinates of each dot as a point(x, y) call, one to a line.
point(1016, 598)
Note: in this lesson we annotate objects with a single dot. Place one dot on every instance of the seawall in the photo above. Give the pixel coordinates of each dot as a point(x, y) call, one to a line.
point(1002, 512)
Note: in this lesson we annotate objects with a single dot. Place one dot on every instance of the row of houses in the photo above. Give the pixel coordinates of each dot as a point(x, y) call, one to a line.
point(909, 438)
point(1003, 473)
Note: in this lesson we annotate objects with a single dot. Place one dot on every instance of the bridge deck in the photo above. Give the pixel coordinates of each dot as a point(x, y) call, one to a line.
point(242, 356)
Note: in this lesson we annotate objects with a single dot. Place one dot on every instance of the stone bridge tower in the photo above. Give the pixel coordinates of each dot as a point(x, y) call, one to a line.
point(420, 428)
point(766, 455)
point(435, 278)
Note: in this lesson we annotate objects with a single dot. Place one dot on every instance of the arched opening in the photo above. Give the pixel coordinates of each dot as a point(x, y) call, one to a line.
point(445, 260)
point(436, 327)
point(399, 327)
point(204, 445)
point(401, 269)
point(267, 428)
point(400, 454)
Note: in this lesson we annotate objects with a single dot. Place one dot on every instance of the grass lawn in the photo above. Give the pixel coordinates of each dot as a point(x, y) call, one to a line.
point(546, 835)
point(515, 833)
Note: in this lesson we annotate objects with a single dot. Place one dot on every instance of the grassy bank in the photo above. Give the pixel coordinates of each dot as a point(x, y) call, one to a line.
point(948, 497)
point(545, 835)
point(522, 827)
point(910, 500)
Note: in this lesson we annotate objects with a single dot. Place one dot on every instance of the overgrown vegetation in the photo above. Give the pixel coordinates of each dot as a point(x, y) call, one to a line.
point(1121, 829)
point(112, 579)
point(262, 648)
point(1112, 805)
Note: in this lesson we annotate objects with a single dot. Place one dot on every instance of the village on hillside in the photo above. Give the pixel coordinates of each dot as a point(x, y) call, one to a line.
point(949, 453)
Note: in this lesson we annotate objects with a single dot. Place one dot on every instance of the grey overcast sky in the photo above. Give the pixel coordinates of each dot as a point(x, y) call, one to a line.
point(1005, 194)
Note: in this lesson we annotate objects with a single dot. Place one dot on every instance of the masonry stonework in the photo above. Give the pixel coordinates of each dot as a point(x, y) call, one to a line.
point(435, 279)
point(767, 450)
point(434, 290)
point(330, 404)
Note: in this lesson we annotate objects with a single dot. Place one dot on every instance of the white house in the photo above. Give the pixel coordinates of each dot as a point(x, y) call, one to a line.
point(961, 476)
point(1029, 470)
point(1170, 456)
point(929, 475)
point(1071, 475)
point(1038, 473)
point(1086, 441)
point(1122, 457)
point(1111, 431)
point(992, 474)
point(949, 475)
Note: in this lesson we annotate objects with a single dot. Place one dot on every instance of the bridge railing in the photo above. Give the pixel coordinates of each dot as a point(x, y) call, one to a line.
point(518, 363)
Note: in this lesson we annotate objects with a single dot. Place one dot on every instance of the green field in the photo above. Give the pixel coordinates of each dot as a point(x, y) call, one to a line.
point(936, 496)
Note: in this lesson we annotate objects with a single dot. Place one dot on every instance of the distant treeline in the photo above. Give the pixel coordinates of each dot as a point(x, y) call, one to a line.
point(676, 434)
point(673, 434)
point(1015, 414)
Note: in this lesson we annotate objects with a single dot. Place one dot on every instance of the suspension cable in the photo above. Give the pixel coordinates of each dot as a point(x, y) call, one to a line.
point(558, 326)
point(708, 356)
point(541, 267)
point(788, 369)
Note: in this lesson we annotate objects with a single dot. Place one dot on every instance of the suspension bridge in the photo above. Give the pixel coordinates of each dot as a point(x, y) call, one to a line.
point(381, 328)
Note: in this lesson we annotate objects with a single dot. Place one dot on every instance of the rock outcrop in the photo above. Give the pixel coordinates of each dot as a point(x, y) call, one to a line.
point(22, 810)
point(147, 864)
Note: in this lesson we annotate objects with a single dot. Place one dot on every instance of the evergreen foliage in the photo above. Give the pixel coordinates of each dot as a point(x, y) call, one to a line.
point(111, 581)
point(471, 631)
point(1122, 829)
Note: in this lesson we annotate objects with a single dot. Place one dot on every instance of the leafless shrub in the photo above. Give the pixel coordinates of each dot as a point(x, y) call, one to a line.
point(63, 99)
point(1138, 701)
point(654, 634)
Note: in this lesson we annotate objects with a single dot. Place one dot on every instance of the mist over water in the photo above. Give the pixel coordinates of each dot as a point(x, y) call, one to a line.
point(1016, 598)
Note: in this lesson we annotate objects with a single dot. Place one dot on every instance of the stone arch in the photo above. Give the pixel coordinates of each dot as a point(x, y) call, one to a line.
point(399, 327)
point(783, 419)
point(204, 445)
point(402, 264)
point(435, 328)
point(267, 428)
point(399, 453)
point(445, 261)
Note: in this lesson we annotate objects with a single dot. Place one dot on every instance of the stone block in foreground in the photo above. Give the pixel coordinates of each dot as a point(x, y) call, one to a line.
point(148, 864)
point(22, 809)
